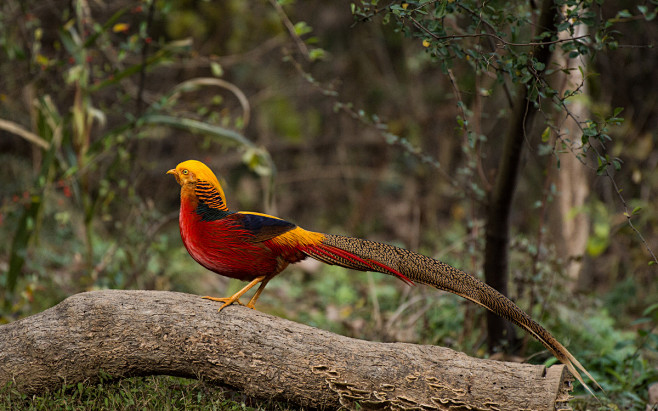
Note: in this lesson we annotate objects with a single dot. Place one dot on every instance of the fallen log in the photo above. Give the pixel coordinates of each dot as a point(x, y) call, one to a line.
point(130, 333)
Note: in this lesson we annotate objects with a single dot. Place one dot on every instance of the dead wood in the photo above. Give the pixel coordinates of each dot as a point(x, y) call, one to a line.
point(128, 333)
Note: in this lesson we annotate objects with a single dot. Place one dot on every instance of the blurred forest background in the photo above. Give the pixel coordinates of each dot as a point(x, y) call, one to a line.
point(385, 121)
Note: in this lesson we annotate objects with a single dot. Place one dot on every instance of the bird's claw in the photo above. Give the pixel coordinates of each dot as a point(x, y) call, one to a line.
point(226, 300)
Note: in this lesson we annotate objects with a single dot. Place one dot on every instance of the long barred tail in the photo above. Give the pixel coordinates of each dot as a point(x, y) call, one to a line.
point(367, 255)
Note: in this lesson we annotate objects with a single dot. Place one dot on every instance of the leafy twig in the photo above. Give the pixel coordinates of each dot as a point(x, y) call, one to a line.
point(494, 36)
point(291, 29)
point(606, 172)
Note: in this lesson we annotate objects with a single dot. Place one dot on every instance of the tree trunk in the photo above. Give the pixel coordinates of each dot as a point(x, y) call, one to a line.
point(500, 332)
point(570, 222)
point(128, 333)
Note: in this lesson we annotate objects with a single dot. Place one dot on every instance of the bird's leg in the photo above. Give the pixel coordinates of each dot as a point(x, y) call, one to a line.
point(235, 298)
point(252, 302)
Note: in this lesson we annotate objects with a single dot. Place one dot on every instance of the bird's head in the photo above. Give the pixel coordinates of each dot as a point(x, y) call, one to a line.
point(191, 171)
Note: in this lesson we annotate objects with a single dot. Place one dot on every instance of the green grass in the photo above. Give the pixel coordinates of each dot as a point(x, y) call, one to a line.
point(137, 393)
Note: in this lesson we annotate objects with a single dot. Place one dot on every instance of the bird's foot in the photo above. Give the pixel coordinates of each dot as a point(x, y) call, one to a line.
point(235, 298)
point(226, 300)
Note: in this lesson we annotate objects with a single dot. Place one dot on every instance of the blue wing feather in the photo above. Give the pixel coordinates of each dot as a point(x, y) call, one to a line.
point(257, 222)
point(262, 227)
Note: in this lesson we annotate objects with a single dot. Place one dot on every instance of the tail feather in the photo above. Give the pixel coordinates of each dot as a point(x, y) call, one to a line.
point(367, 255)
point(344, 258)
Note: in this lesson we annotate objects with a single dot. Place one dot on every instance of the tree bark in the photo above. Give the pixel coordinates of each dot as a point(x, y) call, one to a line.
point(129, 333)
point(499, 331)
point(571, 224)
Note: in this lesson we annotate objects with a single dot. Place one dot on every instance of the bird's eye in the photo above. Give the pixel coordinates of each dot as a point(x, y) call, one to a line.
point(185, 171)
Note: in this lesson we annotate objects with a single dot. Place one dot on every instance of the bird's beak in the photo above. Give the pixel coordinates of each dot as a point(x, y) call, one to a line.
point(175, 173)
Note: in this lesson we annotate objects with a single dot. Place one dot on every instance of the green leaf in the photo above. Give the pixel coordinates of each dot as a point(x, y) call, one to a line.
point(617, 164)
point(258, 160)
point(216, 69)
point(317, 54)
point(650, 308)
point(563, 26)
point(228, 135)
point(624, 14)
point(302, 28)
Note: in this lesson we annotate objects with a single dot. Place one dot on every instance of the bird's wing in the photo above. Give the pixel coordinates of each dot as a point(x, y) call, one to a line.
point(262, 227)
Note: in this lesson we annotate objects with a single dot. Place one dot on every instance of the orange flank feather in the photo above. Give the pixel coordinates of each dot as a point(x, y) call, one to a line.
point(255, 247)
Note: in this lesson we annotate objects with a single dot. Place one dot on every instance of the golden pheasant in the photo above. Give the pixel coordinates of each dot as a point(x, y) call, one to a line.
point(256, 247)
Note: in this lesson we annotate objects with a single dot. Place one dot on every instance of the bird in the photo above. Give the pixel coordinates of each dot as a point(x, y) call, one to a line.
point(255, 247)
